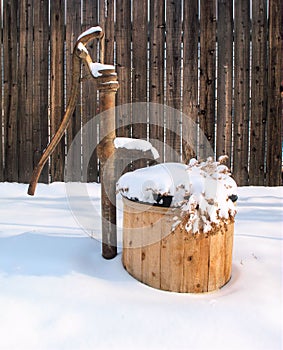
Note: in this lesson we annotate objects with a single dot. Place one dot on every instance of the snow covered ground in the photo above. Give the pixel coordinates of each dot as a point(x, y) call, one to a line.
point(57, 292)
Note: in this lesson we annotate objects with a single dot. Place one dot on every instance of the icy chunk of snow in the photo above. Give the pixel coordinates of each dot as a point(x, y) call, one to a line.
point(96, 68)
point(135, 144)
point(90, 31)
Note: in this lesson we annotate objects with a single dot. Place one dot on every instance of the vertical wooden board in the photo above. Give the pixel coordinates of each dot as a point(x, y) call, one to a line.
point(57, 84)
point(1, 102)
point(123, 61)
point(140, 44)
point(203, 262)
point(29, 101)
point(89, 98)
point(224, 78)
point(165, 257)
point(190, 80)
point(156, 75)
point(165, 263)
point(139, 71)
point(274, 110)
point(176, 257)
point(152, 223)
point(207, 75)
point(241, 92)
point(258, 93)
point(107, 22)
point(22, 87)
point(173, 80)
point(25, 81)
point(133, 240)
point(140, 116)
point(10, 61)
point(190, 280)
point(229, 238)
point(127, 251)
point(73, 30)
point(40, 83)
point(216, 261)
point(172, 254)
point(201, 254)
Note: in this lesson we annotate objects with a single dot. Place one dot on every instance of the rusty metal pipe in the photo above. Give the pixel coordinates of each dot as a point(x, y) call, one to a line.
point(108, 86)
point(78, 54)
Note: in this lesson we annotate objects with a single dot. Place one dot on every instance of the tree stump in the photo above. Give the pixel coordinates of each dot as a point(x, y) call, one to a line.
point(158, 250)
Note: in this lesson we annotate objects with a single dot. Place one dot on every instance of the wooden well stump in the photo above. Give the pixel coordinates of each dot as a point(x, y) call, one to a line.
point(174, 259)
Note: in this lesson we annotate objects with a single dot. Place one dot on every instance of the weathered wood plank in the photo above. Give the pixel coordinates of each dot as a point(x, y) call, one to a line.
point(224, 79)
point(216, 268)
point(1, 103)
point(258, 93)
point(150, 252)
point(25, 81)
point(40, 84)
point(195, 263)
point(241, 92)
point(156, 75)
point(207, 75)
point(274, 110)
point(228, 244)
point(201, 266)
point(123, 60)
point(73, 30)
point(174, 260)
point(139, 71)
point(25, 132)
point(173, 80)
point(132, 240)
point(106, 21)
point(10, 62)
point(89, 98)
point(57, 35)
point(190, 79)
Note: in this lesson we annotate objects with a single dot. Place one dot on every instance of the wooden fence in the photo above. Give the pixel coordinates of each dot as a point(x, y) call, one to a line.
point(217, 61)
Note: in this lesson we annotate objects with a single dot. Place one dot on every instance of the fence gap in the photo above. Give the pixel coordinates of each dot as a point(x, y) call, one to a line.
point(139, 71)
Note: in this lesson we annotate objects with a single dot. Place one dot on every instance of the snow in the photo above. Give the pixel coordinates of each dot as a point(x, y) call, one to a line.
point(81, 47)
point(135, 144)
point(57, 292)
point(202, 190)
point(89, 31)
point(163, 179)
point(96, 68)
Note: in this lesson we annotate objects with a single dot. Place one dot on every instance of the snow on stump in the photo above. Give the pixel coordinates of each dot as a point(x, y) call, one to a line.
point(186, 247)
